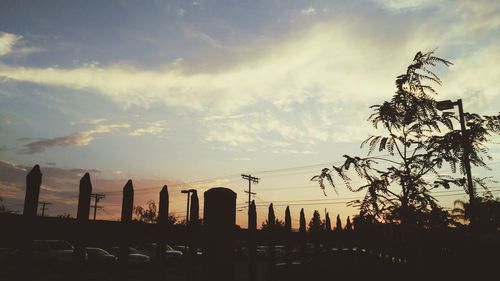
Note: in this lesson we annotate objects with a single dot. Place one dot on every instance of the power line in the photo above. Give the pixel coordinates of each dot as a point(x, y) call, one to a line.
point(343, 199)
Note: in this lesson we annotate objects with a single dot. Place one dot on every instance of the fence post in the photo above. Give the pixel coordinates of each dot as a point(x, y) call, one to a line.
point(219, 223)
point(82, 218)
point(33, 182)
point(126, 219)
point(252, 229)
point(162, 223)
point(193, 229)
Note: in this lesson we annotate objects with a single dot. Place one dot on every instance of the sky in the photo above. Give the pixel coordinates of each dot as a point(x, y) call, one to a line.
point(193, 93)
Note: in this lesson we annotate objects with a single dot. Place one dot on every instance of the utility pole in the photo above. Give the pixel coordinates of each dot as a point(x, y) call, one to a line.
point(97, 198)
point(44, 204)
point(466, 146)
point(250, 179)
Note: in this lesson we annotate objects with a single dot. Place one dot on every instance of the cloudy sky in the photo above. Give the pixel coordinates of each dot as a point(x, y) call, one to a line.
point(193, 93)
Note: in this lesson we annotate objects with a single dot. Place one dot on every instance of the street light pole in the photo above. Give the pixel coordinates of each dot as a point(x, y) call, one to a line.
point(188, 192)
point(448, 104)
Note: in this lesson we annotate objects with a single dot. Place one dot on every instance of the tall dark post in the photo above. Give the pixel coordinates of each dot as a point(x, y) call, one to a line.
point(33, 182)
point(82, 218)
point(252, 229)
point(126, 218)
point(193, 226)
point(288, 230)
point(219, 223)
point(466, 146)
point(127, 202)
point(466, 159)
point(162, 224)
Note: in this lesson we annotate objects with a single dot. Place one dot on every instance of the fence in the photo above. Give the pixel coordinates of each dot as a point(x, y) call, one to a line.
point(287, 255)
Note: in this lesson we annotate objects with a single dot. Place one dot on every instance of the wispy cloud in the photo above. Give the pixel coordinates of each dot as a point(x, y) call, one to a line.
point(310, 11)
point(269, 131)
point(400, 5)
point(153, 129)
point(7, 42)
point(287, 73)
point(331, 63)
point(10, 45)
point(78, 139)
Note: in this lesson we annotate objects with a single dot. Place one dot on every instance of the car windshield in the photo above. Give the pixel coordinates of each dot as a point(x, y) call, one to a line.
point(133, 251)
point(97, 252)
point(168, 248)
point(40, 246)
point(60, 245)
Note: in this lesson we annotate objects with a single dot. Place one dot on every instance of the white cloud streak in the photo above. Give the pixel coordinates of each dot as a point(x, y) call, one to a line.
point(7, 42)
point(330, 63)
point(78, 139)
point(154, 128)
point(320, 63)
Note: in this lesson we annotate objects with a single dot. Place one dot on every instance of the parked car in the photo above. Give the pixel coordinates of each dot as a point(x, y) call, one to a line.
point(98, 256)
point(52, 251)
point(135, 257)
point(6, 255)
point(171, 254)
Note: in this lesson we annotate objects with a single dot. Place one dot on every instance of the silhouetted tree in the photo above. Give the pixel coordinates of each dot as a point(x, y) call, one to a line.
point(278, 225)
point(338, 224)
point(150, 215)
point(315, 224)
point(328, 223)
point(147, 215)
point(302, 220)
point(64, 216)
point(288, 219)
point(395, 187)
point(487, 212)
point(348, 225)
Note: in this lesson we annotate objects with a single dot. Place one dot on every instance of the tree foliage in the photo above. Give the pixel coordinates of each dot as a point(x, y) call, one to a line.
point(487, 212)
point(150, 214)
point(418, 141)
point(316, 224)
point(278, 225)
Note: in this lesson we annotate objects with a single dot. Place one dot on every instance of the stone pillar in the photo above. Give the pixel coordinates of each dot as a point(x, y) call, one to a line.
point(82, 219)
point(219, 221)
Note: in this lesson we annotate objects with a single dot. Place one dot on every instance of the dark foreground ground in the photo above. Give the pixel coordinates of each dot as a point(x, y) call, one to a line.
point(344, 265)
